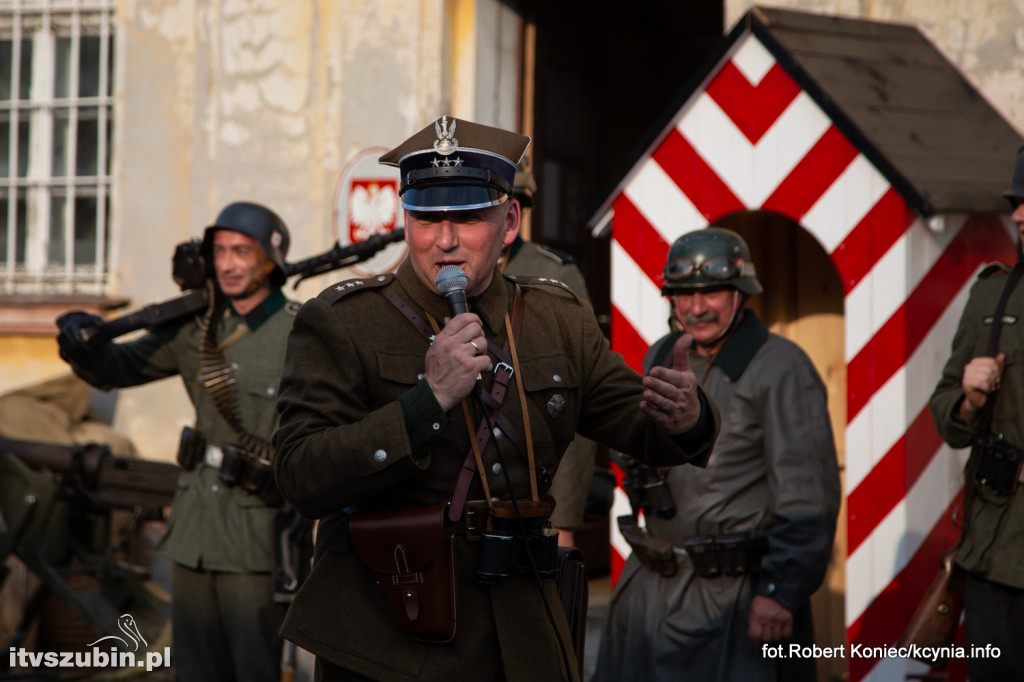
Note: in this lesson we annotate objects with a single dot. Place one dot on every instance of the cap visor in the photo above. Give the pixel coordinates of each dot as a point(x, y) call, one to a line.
point(451, 198)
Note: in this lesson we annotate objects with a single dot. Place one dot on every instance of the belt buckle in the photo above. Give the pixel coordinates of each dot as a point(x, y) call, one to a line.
point(474, 519)
point(213, 457)
point(507, 367)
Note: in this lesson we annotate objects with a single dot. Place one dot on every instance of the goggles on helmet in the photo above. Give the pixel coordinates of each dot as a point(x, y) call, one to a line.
point(719, 268)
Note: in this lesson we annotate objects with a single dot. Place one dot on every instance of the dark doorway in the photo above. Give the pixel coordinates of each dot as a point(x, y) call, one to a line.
point(605, 75)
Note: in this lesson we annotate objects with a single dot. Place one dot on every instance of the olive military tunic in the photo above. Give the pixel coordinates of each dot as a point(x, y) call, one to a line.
point(360, 428)
point(212, 527)
point(993, 545)
point(576, 470)
point(773, 472)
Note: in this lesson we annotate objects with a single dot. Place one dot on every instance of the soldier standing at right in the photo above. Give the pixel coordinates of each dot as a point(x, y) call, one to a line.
point(973, 382)
point(757, 524)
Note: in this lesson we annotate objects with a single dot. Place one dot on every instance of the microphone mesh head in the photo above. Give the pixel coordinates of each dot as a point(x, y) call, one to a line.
point(451, 278)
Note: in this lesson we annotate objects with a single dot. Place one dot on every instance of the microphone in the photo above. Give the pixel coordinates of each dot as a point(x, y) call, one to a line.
point(452, 282)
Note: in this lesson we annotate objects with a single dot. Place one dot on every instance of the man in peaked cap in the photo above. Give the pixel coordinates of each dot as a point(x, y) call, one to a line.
point(382, 421)
point(981, 392)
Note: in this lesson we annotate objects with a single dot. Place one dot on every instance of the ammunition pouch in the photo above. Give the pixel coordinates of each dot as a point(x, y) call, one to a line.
point(726, 555)
point(654, 553)
point(504, 550)
point(191, 448)
point(245, 470)
point(647, 488)
point(998, 463)
point(412, 552)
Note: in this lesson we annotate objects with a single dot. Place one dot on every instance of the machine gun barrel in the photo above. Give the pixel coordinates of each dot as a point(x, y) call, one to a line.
point(196, 300)
point(343, 256)
point(103, 480)
point(190, 303)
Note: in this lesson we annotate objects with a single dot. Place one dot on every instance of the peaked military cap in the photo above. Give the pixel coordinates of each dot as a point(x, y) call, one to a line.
point(457, 165)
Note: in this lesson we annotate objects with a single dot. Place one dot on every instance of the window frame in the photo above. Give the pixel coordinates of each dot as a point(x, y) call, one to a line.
point(52, 262)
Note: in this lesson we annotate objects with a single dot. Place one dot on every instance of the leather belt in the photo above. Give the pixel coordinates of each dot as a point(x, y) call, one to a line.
point(473, 522)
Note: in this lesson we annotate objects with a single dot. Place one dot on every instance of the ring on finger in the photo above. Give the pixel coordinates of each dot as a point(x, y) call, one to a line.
point(475, 347)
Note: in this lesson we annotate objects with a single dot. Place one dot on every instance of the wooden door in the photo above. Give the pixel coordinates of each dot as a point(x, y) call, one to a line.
point(803, 301)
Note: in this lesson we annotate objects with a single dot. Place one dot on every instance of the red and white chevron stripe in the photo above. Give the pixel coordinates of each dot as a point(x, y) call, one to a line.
point(751, 138)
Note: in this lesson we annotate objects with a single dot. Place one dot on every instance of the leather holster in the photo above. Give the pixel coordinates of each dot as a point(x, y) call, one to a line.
point(412, 552)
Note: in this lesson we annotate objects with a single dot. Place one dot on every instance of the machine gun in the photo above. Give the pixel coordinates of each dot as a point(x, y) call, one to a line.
point(57, 508)
point(190, 271)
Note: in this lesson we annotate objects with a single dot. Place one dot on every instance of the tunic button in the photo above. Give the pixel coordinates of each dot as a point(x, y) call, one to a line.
point(437, 427)
point(234, 365)
point(419, 376)
point(557, 378)
point(215, 487)
point(498, 435)
point(496, 469)
point(380, 456)
point(381, 278)
point(270, 390)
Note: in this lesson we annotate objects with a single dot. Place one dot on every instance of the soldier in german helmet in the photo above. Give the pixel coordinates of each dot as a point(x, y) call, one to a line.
point(980, 393)
point(379, 401)
point(765, 506)
point(225, 617)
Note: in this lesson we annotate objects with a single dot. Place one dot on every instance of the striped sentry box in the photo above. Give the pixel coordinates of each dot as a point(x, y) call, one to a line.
point(751, 138)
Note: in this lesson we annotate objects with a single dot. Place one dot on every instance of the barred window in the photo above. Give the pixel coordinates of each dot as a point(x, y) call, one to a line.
point(56, 119)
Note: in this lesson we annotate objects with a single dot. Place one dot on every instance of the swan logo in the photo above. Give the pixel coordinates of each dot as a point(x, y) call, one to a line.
point(134, 653)
point(127, 625)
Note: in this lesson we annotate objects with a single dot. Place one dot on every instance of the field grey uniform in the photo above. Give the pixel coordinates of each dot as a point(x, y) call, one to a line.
point(992, 549)
point(773, 471)
point(218, 537)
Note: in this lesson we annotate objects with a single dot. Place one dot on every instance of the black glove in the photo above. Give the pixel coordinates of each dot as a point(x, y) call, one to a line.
point(72, 342)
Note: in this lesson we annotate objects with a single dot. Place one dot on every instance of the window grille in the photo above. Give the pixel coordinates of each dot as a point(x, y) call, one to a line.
point(56, 125)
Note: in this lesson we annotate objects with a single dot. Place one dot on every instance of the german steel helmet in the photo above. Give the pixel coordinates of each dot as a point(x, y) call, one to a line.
point(259, 223)
point(1015, 194)
point(712, 257)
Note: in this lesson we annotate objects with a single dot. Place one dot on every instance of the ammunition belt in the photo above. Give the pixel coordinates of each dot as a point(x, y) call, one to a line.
point(725, 555)
point(712, 556)
point(219, 380)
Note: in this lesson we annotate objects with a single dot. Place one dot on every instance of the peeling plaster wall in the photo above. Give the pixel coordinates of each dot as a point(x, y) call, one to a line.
point(984, 38)
point(266, 100)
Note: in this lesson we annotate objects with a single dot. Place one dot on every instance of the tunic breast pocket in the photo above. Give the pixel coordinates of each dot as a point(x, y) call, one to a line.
point(399, 371)
point(258, 403)
point(552, 385)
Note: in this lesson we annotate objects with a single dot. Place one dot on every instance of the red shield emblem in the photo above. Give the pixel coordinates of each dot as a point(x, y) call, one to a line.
point(372, 208)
